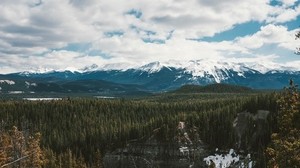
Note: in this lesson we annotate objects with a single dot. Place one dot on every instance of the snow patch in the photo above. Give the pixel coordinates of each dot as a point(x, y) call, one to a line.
point(184, 150)
point(228, 160)
point(15, 92)
point(30, 84)
point(71, 69)
point(104, 97)
point(41, 99)
point(123, 66)
point(9, 82)
point(152, 67)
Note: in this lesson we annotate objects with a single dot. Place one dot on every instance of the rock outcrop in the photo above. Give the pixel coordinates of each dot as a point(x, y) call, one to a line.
point(251, 129)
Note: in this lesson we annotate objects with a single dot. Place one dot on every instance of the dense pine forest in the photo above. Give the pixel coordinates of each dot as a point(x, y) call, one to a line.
point(78, 132)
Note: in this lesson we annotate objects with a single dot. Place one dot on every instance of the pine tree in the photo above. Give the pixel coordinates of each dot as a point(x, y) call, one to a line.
point(297, 37)
point(285, 148)
point(36, 158)
point(5, 147)
point(20, 151)
point(98, 159)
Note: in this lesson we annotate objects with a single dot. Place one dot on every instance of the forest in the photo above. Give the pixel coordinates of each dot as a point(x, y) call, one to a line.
point(78, 132)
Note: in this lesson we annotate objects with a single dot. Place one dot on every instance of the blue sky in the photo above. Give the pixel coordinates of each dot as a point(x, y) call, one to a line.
point(72, 34)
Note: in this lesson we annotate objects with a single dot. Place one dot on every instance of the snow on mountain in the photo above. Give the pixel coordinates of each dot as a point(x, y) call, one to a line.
point(71, 69)
point(200, 68)
point(92, 67)
point(36, 71)
point(212, 70)
point(217, 70)
point(30, 84)
point(161, 76)
point(117, 66)
point(196, 67)
point(153, 67)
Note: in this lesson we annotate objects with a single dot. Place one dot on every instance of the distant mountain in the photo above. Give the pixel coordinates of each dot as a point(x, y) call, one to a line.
point(213, 88)
point(153, 77)
point(58, 85)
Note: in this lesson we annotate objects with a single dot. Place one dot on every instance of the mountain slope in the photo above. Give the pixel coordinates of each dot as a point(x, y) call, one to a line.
point(164, 76)
point(213, 88)
point(56, 85)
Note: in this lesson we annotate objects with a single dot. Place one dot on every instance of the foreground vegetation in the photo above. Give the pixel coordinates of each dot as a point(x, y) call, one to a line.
point(78, 132)
point(284, 150)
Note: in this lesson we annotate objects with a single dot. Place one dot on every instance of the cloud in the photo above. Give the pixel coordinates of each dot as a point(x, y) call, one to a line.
point(55, 60)
point(282, 14)
point(51, 25)
point(288, 2)
point(269, 34)
point(36, 33)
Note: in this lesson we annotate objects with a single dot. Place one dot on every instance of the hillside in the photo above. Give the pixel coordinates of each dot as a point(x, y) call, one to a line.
point(213, 88)
point(58, 85)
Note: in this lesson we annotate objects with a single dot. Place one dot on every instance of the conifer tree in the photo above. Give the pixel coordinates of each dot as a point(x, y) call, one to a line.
point(98, 159)
point(36, 157)
point(297, 37)
point(19, 151)
point(284, 150)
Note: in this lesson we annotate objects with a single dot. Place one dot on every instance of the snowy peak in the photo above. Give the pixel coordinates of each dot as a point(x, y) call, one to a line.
point(92, 67)
point(209, 69)
point(218, 71)
point(201, 67)
point(194, 71)
point(160, 76)
point(198, 68)
point(215, 71)
point(123, 66)
point(107, 67)
point(152, 67)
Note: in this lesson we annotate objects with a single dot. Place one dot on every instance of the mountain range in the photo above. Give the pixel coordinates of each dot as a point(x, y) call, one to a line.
point(151, 77)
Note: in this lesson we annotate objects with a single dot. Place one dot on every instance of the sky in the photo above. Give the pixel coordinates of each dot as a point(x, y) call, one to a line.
point(73, 34)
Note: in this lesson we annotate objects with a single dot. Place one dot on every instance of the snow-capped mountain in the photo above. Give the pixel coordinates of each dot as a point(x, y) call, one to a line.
point(197, 69)
point(161, 76)
point(217, 71)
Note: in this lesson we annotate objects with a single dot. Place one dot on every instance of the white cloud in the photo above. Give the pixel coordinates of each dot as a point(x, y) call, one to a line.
point(294, 65)
point(56, 60)
point(50, 25)
point(31, 28)
point(269, 34)
point(282, 14)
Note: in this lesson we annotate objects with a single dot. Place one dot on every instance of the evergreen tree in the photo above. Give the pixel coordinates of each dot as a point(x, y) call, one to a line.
point(20, 151)
point(297, 37)
point(36, 157)
point(284, 150)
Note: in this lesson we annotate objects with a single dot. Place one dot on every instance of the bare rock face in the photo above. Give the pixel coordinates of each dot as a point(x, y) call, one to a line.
point(179, 147)
point(251, 129)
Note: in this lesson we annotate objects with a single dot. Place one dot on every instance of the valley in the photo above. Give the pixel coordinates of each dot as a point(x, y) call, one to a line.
point(157, 117)
point(92, 130)
point(149, 84)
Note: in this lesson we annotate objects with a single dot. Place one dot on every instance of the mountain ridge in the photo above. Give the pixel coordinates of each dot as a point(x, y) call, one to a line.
point(191, 65)
point(165, 76)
